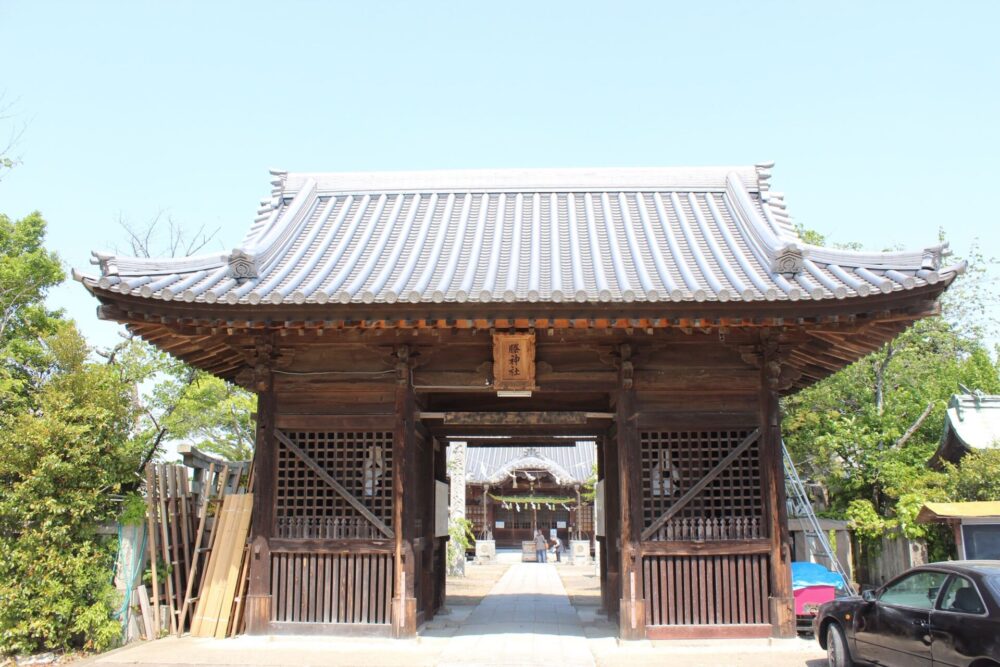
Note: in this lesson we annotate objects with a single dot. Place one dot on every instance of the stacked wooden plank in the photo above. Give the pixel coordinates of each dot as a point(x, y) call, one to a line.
point(217, 612)
point(181, 524)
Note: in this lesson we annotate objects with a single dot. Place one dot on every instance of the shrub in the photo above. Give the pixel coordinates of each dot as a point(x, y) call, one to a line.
point(60, 462)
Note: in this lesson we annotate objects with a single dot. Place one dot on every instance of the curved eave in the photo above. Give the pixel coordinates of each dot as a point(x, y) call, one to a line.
point(276, 314)
point(833, 333)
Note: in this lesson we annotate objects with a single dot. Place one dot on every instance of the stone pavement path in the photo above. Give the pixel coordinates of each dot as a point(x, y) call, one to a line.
point(525, 620)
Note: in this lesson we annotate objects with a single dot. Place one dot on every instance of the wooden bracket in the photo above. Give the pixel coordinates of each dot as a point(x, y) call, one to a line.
point(626, 370)
point(772, 356)
point(403, 365)
point(264, 357)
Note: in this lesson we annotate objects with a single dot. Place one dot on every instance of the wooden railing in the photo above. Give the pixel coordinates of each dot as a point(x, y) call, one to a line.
point(331, 586)
point(700, 528)
point(724, 589)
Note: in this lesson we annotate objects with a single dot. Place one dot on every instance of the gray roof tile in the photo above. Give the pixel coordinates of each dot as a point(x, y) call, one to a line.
point(604, 235)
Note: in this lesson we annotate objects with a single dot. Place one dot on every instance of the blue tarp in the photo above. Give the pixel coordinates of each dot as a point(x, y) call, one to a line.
point(812, 574)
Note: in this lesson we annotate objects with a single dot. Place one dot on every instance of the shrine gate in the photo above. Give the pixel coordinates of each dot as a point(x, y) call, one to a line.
point(662, 312)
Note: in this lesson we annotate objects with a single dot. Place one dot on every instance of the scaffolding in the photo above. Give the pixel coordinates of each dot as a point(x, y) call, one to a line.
point(800, 506)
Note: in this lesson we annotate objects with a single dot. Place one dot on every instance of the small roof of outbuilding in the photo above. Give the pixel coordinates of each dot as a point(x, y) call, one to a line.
point(711, 234)
point(932, 512)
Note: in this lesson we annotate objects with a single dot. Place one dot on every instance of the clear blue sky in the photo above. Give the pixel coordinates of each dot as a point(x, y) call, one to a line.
point(883, 117)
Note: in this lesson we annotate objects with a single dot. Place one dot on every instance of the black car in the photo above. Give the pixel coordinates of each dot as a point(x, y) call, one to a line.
point(937, 614)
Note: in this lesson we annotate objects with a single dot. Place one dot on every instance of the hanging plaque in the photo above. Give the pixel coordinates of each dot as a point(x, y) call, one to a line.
point(514, 361)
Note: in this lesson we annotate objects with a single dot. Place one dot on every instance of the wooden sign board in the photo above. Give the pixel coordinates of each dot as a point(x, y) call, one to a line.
point(514, 361)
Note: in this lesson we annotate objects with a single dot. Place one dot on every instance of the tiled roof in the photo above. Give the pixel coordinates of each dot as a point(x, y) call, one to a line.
point(603, 235)
point(975, 419)
point(490, 464)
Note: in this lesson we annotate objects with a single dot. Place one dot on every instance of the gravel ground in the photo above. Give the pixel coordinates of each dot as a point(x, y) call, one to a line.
point(582, 584)
point(477, 582)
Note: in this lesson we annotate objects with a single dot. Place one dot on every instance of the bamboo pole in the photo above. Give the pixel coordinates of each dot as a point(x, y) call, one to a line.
point(165, 547)
point(185, 545)
point(151, 541)
point(206, 496)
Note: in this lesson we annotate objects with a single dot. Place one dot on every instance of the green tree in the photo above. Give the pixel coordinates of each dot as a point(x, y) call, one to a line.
point(60, 463)
point(27, 272)
point(210, 413)
point(977, 477)
point(868, 431)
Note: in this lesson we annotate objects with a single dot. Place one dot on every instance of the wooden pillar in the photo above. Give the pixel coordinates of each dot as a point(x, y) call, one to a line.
point(404, 617)
point(782, 607)
point(610, 562)
point(441, 543)
point(576, 513)
point(258, 603)
point(632, 606)
point(487, 513)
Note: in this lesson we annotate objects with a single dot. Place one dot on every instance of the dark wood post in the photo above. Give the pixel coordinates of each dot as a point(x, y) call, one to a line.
point(258, 603)
point(404, 618)
point(440, 543)
point(575, 514)
point(487, 513)
point(612, 537)
point(632, 606)
point(782, 607)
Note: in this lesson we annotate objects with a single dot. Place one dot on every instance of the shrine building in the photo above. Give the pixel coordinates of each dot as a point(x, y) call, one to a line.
point(660, 313)
point(512, 491)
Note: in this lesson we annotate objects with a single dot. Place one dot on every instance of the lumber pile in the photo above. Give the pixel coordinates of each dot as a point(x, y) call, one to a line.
point(185, 522)
point(217, 612)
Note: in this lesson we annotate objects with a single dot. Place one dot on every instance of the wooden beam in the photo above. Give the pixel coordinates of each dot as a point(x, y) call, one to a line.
point(333, 483)
point(705, 547)
point(515, 418)
point(701, 484)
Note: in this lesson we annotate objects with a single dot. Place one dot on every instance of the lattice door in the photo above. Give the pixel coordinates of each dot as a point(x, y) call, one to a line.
point(307, 506)
point(728, 508)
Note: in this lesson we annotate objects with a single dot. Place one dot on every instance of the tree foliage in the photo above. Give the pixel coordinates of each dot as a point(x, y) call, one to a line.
point(27, 272)
point(977, 478)
point(60, 463)
point(210, 413)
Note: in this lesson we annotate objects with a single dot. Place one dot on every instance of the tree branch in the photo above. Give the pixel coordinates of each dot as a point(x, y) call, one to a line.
point(913, 428)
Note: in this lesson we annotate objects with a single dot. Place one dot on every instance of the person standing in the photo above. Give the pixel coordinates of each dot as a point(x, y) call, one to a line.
point(557, 546)
point(541, 547)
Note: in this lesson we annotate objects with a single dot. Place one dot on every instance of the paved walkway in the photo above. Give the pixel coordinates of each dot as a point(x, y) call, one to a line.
point(525, 620)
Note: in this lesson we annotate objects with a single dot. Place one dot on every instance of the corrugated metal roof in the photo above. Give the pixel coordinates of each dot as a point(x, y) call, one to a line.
point(600, 235)
point(490, 463)
point(931, 512)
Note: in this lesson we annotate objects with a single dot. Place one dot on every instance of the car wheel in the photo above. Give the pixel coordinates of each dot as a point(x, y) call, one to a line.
point(837, 654)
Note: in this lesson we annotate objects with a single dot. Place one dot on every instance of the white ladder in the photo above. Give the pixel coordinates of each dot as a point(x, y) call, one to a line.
point(799, 506)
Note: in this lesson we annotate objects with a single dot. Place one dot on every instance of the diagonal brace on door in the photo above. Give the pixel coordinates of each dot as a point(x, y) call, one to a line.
point(702, 483)
point(334, 484)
